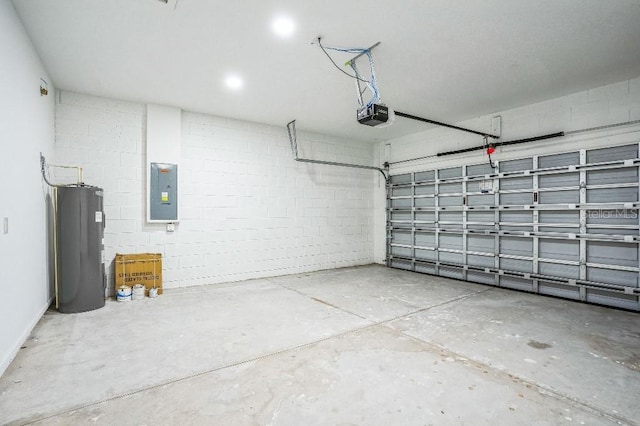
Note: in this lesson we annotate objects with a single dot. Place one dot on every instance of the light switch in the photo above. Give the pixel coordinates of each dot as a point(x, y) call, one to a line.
point(5, 225)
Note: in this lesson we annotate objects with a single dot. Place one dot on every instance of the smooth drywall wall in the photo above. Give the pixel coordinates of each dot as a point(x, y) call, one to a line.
point(601, 106)
point(247, 209)
point(26, 129)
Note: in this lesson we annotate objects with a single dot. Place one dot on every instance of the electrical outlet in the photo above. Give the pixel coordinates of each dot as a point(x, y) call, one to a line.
point(5, 225)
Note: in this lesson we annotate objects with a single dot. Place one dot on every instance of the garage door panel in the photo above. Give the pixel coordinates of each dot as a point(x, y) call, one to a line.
point(518, 199)
point(558, 160)
point(559, 217)
point(517, 183)
point(401, 251)
point(448, 241)
point(448, 257)
point(426, 268)
point(401, 264)
point(516, 217)
point(425, 189)
point(401, 203)
point(488, 217)
point(609, 195)
point(426, 176)
point(559, 180)
point(575, 229)
point(450, 173)
point(401, 216)
point(516, 246)
point(422, 254)
point(559, 290)
point(454, 273)
point(612, 176)
point(401, 191)
point(624, 301)
point(481, 243)
point(612, 253)
point(401, 237)
point(452, 201)
point(559, 197)
point(426, 239)
point(481, 278)
point(617, 153)
point(558, 270)
point(398, 179)
point(517, 228)
point(480, 200)
point(559, 249)
point(612, 217)
point(480, 170)
point(425, 202)
point(450, 188)
point(623, 278)
point(454, 217)
point(563, 225)
point(516, 165)
point(516, 265)
point(616, 232)
point(516, 283)
point(425, 216)
point(480, 261)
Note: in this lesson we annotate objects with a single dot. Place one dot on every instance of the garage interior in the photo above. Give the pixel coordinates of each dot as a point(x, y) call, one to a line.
point(471, 258)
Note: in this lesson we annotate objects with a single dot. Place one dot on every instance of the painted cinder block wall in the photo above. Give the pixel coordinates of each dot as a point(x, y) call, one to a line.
point(601, 106)
point(247, 209)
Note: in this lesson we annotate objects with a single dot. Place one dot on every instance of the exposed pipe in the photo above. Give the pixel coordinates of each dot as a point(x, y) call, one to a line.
point(44, 166)
point(439, 123)
point(291, 130)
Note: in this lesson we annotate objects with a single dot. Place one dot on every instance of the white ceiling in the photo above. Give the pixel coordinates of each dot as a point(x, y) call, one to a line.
point(447, 60)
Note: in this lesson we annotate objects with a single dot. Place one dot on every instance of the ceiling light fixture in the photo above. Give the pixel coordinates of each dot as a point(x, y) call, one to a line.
point(283, 26)
point(234, 82)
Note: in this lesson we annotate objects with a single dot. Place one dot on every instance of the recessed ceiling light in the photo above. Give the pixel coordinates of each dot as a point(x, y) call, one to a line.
point(283, 26)
point(234, 82)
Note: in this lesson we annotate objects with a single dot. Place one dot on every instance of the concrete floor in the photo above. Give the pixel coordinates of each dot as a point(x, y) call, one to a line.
point(355, 346)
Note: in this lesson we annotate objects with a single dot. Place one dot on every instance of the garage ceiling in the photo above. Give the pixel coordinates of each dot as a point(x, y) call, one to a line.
point(443, 59)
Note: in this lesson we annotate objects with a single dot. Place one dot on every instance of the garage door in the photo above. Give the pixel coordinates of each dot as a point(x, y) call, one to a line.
point(564, 225)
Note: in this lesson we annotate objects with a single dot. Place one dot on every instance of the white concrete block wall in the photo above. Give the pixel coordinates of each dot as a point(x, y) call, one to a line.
point(614, 103)
point(247, 208)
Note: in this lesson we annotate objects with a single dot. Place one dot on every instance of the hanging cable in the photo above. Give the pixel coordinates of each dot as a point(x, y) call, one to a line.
point(371, 85)
point(362, 84)
point(324, 49)
point(490, 150)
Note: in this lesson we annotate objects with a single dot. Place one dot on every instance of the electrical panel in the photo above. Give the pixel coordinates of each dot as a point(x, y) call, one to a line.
point(163, 203)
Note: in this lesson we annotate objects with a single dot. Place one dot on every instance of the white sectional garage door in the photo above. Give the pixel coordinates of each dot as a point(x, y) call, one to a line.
point(565, 225)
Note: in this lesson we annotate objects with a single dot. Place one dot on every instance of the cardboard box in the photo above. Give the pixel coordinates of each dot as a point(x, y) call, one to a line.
point(141, 268)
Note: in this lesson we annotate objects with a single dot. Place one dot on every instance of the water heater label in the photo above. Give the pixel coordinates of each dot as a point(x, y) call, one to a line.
point(98, 216)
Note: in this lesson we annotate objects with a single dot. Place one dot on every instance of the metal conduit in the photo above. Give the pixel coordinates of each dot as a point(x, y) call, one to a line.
point(291, 130)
